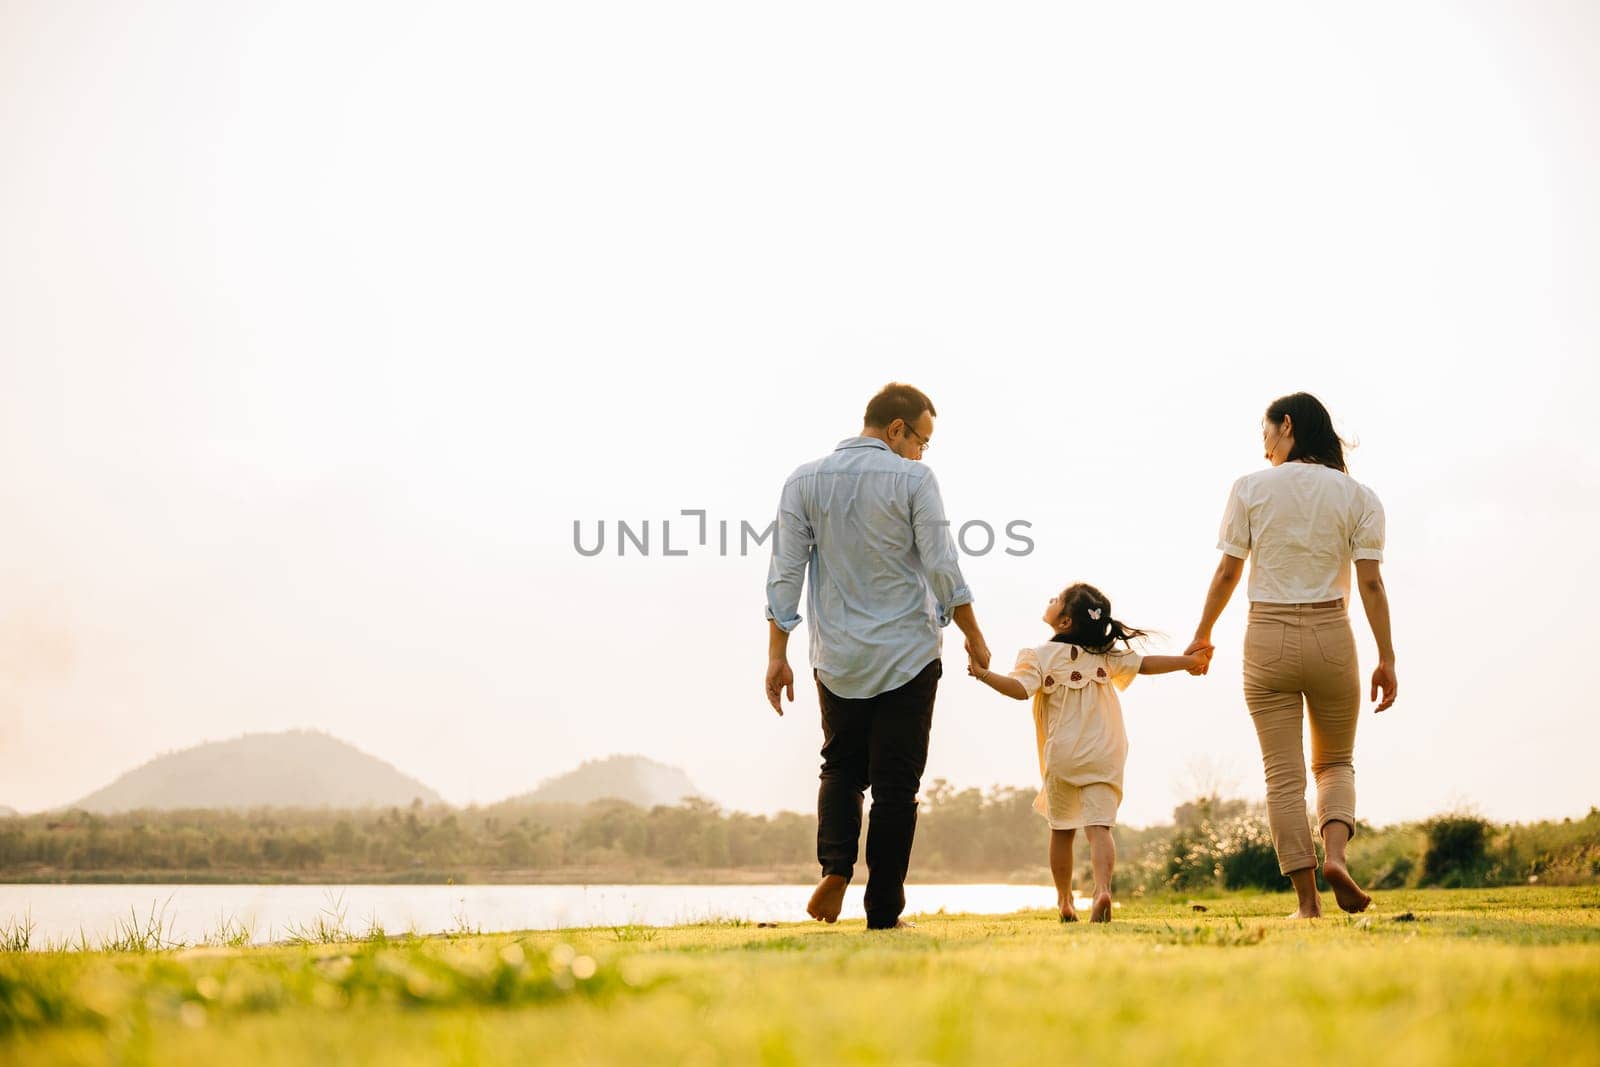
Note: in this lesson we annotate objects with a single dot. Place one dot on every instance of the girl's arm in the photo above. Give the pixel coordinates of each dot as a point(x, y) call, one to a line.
point(1168, 664)
point(1000, 683)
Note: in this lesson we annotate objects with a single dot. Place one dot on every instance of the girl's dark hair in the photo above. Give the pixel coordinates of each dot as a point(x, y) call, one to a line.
point(1093, 628)
point(1314, 439)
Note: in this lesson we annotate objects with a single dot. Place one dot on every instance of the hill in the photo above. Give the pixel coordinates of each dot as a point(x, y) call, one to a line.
point(294, 769)
point(632, 778)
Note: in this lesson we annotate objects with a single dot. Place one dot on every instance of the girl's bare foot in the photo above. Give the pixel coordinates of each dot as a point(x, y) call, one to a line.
point(1351, 897)
point(1102, 908)
point(828, 898)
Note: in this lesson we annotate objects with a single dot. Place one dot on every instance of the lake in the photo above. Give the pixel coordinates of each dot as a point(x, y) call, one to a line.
point(191, 913)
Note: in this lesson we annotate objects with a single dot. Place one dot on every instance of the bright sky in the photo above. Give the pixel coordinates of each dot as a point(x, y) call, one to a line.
point(321, 324)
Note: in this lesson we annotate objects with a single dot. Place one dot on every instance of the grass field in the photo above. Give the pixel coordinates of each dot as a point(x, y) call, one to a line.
point(1444, 976)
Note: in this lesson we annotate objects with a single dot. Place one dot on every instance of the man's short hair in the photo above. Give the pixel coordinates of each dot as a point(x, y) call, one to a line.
point(897, 401)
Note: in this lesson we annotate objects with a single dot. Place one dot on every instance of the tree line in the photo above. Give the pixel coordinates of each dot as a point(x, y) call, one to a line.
point(961, 833)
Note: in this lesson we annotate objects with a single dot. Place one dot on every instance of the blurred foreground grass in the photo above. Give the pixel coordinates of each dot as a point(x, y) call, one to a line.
point(1488, 976)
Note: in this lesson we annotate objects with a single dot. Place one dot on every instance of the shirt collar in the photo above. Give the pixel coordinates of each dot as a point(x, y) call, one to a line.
point(862, 442)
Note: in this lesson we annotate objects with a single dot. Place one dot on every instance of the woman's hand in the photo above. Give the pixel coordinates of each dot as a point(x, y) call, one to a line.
point(1204, 649)
point(1383, 678)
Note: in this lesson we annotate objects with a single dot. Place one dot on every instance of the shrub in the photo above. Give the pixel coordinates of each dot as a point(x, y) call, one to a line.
point(1248, 859)
point(1458, 851)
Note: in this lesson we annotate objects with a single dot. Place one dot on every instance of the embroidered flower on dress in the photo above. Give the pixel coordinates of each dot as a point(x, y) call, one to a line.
point(1099, 672)
point(1076, 677)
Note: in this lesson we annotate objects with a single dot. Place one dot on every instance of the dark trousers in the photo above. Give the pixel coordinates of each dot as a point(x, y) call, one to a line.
point(881, 742)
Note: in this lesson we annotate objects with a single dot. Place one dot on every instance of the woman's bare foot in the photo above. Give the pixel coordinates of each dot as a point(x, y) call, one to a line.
point(1102, 908)
point(1351, 897)
point(828, 898)
point(1305, 889)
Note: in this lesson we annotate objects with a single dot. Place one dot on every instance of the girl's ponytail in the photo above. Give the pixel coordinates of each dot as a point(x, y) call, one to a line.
point(1093, 626)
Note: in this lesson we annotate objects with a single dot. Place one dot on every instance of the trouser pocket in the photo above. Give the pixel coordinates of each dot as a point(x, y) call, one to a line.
point(1263, 642)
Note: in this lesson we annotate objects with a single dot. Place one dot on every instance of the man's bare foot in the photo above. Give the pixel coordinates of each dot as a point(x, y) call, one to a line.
point(1102, 908)
point(1351, 897)
point(1065, 908)
point(1304, 913)
point(828, 898)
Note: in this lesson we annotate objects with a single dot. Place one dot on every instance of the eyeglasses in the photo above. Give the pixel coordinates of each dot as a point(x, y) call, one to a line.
point(923, 441)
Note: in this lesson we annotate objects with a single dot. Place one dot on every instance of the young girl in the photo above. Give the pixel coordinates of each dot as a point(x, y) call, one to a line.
point(1073, 679)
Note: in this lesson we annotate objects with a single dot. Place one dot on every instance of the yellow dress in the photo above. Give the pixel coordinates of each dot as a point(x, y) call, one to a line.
point(1077, 721)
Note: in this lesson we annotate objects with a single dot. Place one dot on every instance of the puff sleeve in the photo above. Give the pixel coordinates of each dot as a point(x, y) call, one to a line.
point(1124, 667)
point(1027, 671)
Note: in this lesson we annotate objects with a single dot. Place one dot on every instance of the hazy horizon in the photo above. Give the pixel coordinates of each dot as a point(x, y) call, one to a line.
point(1201, 779)
point(321, 326)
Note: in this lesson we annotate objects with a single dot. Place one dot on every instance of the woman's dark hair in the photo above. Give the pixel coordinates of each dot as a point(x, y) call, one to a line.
point(1093, 628)
point(1314, 439)
point(897, 401)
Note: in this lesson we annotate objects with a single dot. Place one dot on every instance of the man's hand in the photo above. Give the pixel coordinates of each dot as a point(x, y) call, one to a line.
point(778, 676)
point(978, 652)
point(1383, 678)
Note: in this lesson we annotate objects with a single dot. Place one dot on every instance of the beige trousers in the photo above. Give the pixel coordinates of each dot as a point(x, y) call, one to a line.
point(1300, 663)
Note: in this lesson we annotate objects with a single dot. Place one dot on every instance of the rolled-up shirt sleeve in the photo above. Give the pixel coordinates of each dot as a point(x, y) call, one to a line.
point(936, 548)
point(1234, 535)
point(1367, 540)
point(792, 544)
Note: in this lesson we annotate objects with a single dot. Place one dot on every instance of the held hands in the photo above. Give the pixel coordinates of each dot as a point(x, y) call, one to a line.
point(977, 658)
point(1203, 651)
point(778, 676)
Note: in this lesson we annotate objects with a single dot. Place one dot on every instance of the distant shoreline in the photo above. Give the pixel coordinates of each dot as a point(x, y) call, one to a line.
point(787, 875)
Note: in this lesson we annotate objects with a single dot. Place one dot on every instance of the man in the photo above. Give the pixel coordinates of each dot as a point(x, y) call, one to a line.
point(867, 525)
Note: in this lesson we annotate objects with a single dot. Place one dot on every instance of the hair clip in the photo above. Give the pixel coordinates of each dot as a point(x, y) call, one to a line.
point(1094, 613)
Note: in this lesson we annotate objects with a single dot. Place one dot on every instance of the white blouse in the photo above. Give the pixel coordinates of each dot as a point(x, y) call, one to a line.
point(1300, 525)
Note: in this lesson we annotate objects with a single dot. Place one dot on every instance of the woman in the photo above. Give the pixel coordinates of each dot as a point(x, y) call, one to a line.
point(1301, 522)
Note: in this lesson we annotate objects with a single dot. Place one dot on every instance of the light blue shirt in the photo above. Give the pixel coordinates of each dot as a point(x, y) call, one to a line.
point(868, 529)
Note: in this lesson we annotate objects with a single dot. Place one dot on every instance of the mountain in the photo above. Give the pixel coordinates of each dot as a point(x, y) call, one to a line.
point(294, 769)
point(632, 778)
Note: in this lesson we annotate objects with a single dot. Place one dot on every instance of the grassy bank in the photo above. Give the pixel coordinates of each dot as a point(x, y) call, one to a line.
point(1436, 976)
